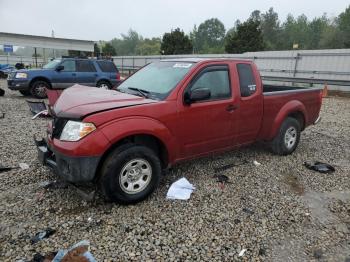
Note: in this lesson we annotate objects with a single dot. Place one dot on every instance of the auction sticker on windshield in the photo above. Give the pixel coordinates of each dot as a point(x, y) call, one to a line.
point(182, 65)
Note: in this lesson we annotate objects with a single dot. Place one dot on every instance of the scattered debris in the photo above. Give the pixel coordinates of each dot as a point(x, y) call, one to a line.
point(5, 168)
point(256, 163)
point(248, 211)
point(222, 179)
point(237, 221)
point(320, 167)
point(23, 166)
point(88, 197)
point(318, 253)
point(89, 219)
point(2, 92)
point(2, 115)
point(262, 251)
point(181, 189)
point(53, 184)
point(44, 113)
point(40, 258)
point(78, 252)
point(41, 235)
point(228, 166)
point(241, 254)
point(37, 108)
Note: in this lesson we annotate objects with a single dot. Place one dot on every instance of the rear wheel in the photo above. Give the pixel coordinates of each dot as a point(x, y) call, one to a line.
point(38, 89)
point(104, 85)
point(130, 174)
point(287, 138)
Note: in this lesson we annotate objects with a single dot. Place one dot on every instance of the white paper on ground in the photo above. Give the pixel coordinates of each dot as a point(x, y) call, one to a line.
point(242, 252)
point(181, 189)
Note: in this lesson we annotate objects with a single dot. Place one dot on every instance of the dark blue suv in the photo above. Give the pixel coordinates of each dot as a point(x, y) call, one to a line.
point(63, 73)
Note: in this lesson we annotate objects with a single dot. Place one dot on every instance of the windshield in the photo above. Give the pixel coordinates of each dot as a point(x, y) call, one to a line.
point(156, 79)
point(52, 64)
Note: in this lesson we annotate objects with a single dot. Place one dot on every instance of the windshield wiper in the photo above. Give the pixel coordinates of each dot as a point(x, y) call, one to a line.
point(142, 92)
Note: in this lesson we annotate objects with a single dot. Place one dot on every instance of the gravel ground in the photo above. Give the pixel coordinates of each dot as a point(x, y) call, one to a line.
point(279, 211)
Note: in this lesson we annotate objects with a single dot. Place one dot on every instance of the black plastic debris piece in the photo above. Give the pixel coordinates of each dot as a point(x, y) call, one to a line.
point(36, 106)
point(248, 211)
point(237, 221)
point(5, 168)
point(228, 166)
point(41, 258)
point(318, 253)
point(320, 167)
point(41, 235)
point(2, 92)
point(2, 115)
point(262, 251)
point(54, 184)
point(222, 179)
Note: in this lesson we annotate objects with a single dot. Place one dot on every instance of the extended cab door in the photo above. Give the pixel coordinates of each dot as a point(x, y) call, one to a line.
point(206, 125)
point(65, 77)
point(86, 73)
point(251, 104)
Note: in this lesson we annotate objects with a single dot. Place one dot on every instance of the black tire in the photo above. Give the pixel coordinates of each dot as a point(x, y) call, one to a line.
point(104, 84)
point(25, 92)
point(283, 143)
point(38, 89)
point(114, 171)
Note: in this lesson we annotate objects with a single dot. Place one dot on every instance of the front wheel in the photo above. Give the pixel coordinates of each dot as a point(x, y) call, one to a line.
point(104, 85)
point(287, 139)
point(38, 89)
point(130, 174)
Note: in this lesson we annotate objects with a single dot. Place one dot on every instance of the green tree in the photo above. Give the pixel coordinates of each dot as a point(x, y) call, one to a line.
point(108, 50)
point(246, 37)
point(148, 46)
point(127, 44)
point(344, 27)
point(210, 36)
point(270, 27)
point(176, 43)
point(316, 29)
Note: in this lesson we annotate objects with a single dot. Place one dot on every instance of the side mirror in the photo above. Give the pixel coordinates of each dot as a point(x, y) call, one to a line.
point(198, 94)
point(59, 68)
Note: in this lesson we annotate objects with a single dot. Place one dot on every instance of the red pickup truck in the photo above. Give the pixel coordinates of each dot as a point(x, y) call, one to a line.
point(169, 111)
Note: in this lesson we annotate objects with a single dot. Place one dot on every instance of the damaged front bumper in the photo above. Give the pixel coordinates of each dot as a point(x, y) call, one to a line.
point(70, 169)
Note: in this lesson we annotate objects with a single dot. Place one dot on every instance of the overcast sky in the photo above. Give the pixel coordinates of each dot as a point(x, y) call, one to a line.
point(104, 20)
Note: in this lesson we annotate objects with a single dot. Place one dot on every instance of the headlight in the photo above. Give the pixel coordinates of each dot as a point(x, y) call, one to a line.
point(74, 131)
point(21, 75)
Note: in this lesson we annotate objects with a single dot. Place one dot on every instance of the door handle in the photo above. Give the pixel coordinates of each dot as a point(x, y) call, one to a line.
point(231, 108)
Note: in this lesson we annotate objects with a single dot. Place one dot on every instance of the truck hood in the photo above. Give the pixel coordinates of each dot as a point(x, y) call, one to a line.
point(79, 101)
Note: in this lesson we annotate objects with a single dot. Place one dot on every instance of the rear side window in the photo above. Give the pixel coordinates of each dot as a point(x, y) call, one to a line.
point(85, 66)
point(246, 80)
point(107, 66)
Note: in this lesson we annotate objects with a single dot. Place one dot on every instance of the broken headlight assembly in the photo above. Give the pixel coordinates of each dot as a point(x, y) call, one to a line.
point(74, 130)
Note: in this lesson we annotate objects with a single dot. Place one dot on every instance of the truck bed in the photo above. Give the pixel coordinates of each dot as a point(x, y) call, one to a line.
point(278, 98)
point(268, 89)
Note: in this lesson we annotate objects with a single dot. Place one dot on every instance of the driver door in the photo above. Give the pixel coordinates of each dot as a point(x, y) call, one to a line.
point(66, 77)
point(206, 126)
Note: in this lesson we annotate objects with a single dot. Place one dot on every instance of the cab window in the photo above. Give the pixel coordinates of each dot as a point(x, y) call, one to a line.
point(69, 65)
point(216, 79)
